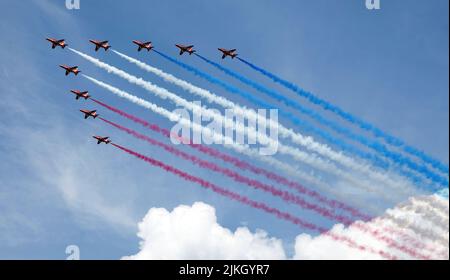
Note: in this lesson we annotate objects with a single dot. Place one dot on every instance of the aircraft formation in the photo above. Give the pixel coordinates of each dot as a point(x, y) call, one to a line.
point(353, 214)
point(105, 46)
point(141, 45)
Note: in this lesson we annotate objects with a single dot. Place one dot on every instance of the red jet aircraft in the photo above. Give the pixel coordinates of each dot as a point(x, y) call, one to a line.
point(61, 43)
point(101, 139)
point(83, 94)
point(232, 53)
point(69, 69)
point(189, 49)
point(100, 44)
point(88, 113)
point(147, 45)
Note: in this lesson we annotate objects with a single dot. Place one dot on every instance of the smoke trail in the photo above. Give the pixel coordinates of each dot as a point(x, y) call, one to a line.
point(200, 129)
point(395, 157)
point(405, 236)
point(422, 218)
point(286, 196)
point(418, 229)
point(239, 127)
point(353, 119)
point(308, 142)
point(242, 165)
point(254, 204)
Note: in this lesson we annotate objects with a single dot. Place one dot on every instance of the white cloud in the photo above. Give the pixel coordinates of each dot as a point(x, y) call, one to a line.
point(192, 232)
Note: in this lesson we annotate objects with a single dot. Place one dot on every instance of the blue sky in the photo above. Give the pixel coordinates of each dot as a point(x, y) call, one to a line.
point(57, 187)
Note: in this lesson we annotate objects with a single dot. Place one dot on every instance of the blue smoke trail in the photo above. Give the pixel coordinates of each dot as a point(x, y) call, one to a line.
point(355, 120)
point(305, 125)
point(380, 148)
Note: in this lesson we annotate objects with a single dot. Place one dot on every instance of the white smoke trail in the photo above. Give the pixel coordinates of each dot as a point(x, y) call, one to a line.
point(418, 228)
point(298, 138)
point(252, 153)
point(419, 216)
point(186, 122)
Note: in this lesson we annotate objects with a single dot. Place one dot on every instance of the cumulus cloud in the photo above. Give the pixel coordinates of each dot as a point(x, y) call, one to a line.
point(192, 232)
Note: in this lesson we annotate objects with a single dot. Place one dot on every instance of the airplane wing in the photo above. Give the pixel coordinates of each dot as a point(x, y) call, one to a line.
point(103, 42)
point(96, 47)
point(233, 50)
point(223, 56)
point(86, 116)
point(191, 46)
point(60, 41)
point(181, 52)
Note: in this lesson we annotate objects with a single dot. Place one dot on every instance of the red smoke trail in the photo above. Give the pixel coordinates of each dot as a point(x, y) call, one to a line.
point(378, 233)
point(243, 165)
point(286, 196)
point(412, 241)
point(254, 204)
